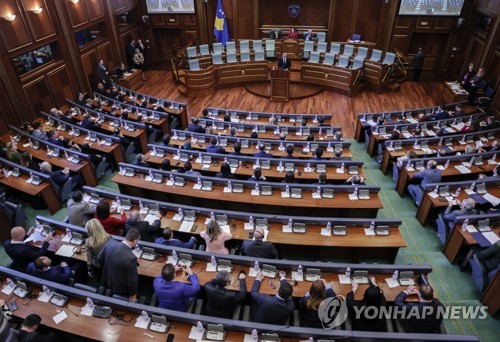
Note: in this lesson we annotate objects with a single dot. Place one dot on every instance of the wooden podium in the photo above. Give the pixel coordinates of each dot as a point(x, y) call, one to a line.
point(279, 85)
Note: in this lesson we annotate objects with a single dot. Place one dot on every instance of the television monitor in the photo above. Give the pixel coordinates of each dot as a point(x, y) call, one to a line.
point(170, 6)
point(431, 7)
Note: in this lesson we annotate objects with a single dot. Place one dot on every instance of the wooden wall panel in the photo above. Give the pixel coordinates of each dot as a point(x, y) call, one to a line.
point(476, 50)
point(89, 62)
point(246, 19)
point(400, 41)
point(367, 20)
point(492, 66)
point(104, 52)
point(190, 36)
point(444, 23)
point(95, 9)
point(312, 12)
point(76, 13)
point(60, 86)
point(343, 13)
point(41, 24)
point(14, 33)
point(403, 22)
point(119, 5)
point(38, 96)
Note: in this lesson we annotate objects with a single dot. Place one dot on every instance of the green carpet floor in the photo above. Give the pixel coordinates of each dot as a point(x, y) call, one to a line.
point(423, 247)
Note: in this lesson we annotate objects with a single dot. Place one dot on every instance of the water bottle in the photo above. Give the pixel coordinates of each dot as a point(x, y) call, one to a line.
point(256, 266)
point(174, 255)
point(250, 220)
point(257, 163)
point(436, 189)
point(199, 325)
point(256, 129)
point(308, 146)
point(172, 178)
point(151, 174)
point(395, 275)
point(320, 131)
point(257, 187)
point(329, 146)
point(287, 189)
point(356, 191)
point(372, 225)
point(342, 167)
point(299, 270)
point(300, 130)
point(141, 206)
point(290, 222)
point(225, 160)
point(415, 144)
point(179, 154)
point(229, 186)
point(90, 303)
point(457, 193)
point(10, 283)
point(144, 316)
point(213, 261)
point(68, 233)
point(391, 146)
point(494, 158)
point(308, 166)
point(212, 215)
point(318, 191)
point(255, 335)
point(348, 272)
point(472, 186)
point(464, 225)
point(121, 170)
point(198, 181)
point(46, 291)
point(180, 212)
point(153, 152)
point(310, 339)
point(328, 226)
point(441, 141)
point(447, 164)
point(118, 201)
point(281, 147)
point(280, 166)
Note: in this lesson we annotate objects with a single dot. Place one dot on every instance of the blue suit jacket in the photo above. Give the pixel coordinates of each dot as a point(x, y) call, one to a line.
point(174, 295)
point(57, 274)
point(59, 177)
point(270, 309)
point(439, 116)
point(428, 176)
point(428, 324)
point(56, 142)
point(263, 154)
point(176, 242)
point(195, 128)
point(215, 149)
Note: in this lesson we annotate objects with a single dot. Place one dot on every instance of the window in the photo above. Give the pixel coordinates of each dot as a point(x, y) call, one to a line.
point(33, 59)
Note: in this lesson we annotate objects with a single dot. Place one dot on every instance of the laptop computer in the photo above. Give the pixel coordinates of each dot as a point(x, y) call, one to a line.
point(266, 190)
point(484, 226)
point(406, 278)
point(129, 172)
point(185, 259)
point(364, 194)
point(268, 271)
point(224, 265)
point(382, 230)
point(299, 228)
point(189, 215)
point(179, 181)
point(21, 289)
point(327, 193)
point(265, 165)
point(153, 208)
point(353, 170)
point(221, 219)
point(94, 198)
point(35, 180)
point(340, 230)
point(158, 324)
point(148, 253)
point(223, 142)
point(290, 167)
point(215, 332)
point(58, 299)
point(320, 168)
point(481, 188)
point(15, 172)
point(126, 204)
point(244, 143)
point(206, 159)
point(108, 142)
point(234, 163)
point(398, 145)
point(181, 136)
point(444, 191)
point(237, 188)
point(312, 274)
point(206, 186)
point(184, 157)
point(360, 277)
point(295, 193)
point(263, 223)
point(76, 239)
point(419, 165)
point(157, 178)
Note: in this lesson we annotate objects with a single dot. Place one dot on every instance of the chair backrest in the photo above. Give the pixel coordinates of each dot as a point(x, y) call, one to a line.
point(245, 56)
point(244, 45)
point(259, 55)
point(272, 34)
point(362, 52)
point(230, 46)
point(308, 45)
point(66, 190)
point(389, 58)
point(321, 47)
point(257, 44)
point(270, 44)
point(217, 48)
point(321, 36)
point(194, 64)
point(329, 59)
point(191, 51)
point(358, 63)
point(343, 61)
point(356, 36)
point(348, 50)
point(376, 55)
point(204, 51)
point(231, 57)
point(217, 58)
point(335, 48)
point(314, 57)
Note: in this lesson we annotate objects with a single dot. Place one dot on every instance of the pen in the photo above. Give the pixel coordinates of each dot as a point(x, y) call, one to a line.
point(148, 335)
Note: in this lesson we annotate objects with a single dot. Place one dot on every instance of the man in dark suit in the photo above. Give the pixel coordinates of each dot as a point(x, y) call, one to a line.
point(427, 319)
point(22, 253)
point(418, 63)
point(167, 239)
point(221, 302)
point(174, 295)
point(80, 99)
point(259, 248)
point(120, 265)
point(42, 268)
point(28, 331)
point(465, 82)
point(89, 124)
point(429, 175)
point(318, 153)
point(477, 82)
point(147, 230)
point(262, 152)
point(130, 52)
point(38, 131)
point(213, 148)
point(309, 35)
point(59, 177)
point(284, 62)
point(236, 149)
point(102, 72)
point(272, 309)
point(54, 138)
point(195, 126)
point(440, 115)
point(466, 209)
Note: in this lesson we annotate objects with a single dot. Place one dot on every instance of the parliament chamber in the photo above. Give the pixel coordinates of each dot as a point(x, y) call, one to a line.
point(249, 170)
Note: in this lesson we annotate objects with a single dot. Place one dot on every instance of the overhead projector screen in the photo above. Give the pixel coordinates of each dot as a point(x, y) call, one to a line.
point(431, 7)
point(170, 6)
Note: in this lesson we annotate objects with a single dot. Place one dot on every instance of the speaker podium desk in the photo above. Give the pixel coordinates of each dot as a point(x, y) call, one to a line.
point(280, 80)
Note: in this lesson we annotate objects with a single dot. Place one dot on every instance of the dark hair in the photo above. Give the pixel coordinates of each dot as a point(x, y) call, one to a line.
point(373, 296)
point(168, 272)
point(132, 235)
point(222, 278)
point(39, 264)
point(285, 291)
point(102, 210)
point(165, 165)
point(303, 123)
point(257, 173)
point(204, 112)
point(86, 149)
point(232, 131)
point(36, 125)
point(262, 147)
point(321, 119)
point(289, 177)
point(167, 233)
point(52, 132)
point(166, 139)
point(225, 169)
point(322, 177)
point(116, 132)
point(227, 118)
point(254, 135)
point(318, 152)
point(237, 147)
point(188, 166)
point(195, 121)
point(289, 149)
point(310, 137)
point(32, 320)
point(213, 141)
point(356, 179)
point(426, 292)
point(77, 196)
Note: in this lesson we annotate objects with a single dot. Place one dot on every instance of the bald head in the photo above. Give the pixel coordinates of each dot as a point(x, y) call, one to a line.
point(17, 233)
point(259, 233)
point(134, 216)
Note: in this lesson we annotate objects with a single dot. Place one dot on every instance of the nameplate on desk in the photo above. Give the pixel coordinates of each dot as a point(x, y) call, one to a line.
point(353, 197)
point(391, 282)
point(369, 232)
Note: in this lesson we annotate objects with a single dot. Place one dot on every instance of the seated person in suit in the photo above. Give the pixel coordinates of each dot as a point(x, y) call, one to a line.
point(225, 171)
point(165, 165)
point(27, 161)
point(148, 231)
point(42, 268)
point(140, 160)
point(167, 239)
point(213, 148)
point(491, 123)
point(215, 238)
point(355, 180)
point(236, 149)
point(221, 302)
point(309, 304)
point(426, 320)
point(262, 152)
point(80, 99)
point(337, 154)
point(54, 138)
point(23, 253)
point(459, 111)
point(318, 153)
point(38, 132)
point(430, 175)
point(309, 35)
point(165, 140)
point(495, 146)
point(172, 294)
point(258, 248)
point(476, 82)
point(321, 178)
point(232, 131)
point(29, 331)
point(289, 177)
point(272, 309)
point(321, 122)
point(79, 212)
point(337, 136)
point(188, 170)
point(275, 34)
point(440, 115)
point(374, 297)
point(195, 126)
point(466, 209)
point(284, 62)
point(417, 133)
point(257, 175)
point(59, 177)
point(89, 123)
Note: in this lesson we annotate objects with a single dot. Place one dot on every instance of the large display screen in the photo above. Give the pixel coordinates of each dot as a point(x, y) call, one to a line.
point(431, 7)
point(170, 6)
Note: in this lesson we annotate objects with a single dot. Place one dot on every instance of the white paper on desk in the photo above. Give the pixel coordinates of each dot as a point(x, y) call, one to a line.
point(143, 211)
point(369, 232)
point(410, 168)
point(471, 229)
point(329, 149)
point(462, 169)
point(449, 130)
point(35, 237)
point(226, 228)
point(26, 145)
point(226, 189)
point(211, 268)
point(177, 217)
point(176, 157)
point(309, 169)
point(440, 167)
point(390, 148)
point(459, 126)
point(205, 167)
point(492, 162)
point(287, 229)
point(65, 251)
point(492, 199)
point(297, 276)
point(196, 334)
point(87, 137)
point(148, 178)
point(339, 170)
point(87, 310)
point(233, 169)
point(407, 135)
point(169, 183)
point(252, 272)
point(266, 234)
point(61, 316)
point(142, 323)
point(353, 197)
point(326, 232)
point(150, 218)
point(172, 260)
point(285, 194)
point(7, 290)
point(186, 226)
point(433, 194)
point(207, 220)
point(316, 195)
point(492, 237)
point(412, 121)
point(255, 192)
point(371, 122)
point(29, 180)
point(197, 186)
point(391, 282)
point(344, 280)
point(248, 226)
point(375, 133)
point(66, 238)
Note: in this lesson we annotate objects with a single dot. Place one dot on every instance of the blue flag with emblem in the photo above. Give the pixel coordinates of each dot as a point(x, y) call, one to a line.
point(221, 31)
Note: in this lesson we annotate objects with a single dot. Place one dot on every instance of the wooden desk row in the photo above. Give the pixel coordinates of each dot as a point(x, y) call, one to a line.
point(340, 205)
point(84, 166)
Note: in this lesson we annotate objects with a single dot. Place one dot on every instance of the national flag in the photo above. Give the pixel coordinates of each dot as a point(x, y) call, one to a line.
point(221, 30)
